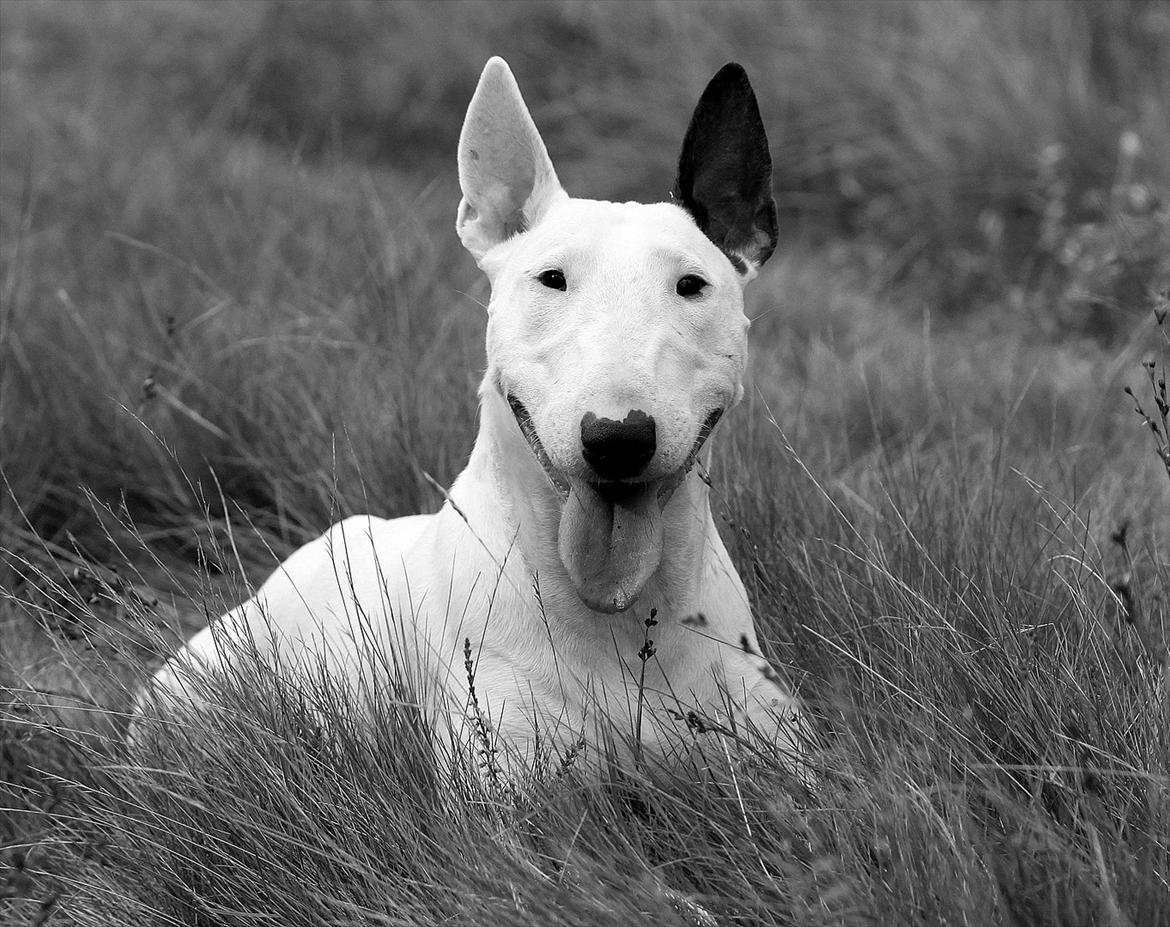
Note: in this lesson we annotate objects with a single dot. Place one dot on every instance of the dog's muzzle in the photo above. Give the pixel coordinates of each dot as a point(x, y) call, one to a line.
point(611, 534)
point(613, 490)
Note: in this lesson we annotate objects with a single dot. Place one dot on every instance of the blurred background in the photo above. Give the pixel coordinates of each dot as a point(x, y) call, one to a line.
point(226, 227)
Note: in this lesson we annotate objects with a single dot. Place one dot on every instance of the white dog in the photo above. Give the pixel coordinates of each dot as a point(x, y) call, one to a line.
point(576, 564)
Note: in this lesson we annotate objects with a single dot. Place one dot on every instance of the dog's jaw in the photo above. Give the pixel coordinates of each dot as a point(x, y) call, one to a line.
point(670, 483)
point(611, 534)
point(528, 429)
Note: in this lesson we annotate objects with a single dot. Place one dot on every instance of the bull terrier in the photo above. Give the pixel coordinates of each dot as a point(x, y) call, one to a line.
point(573, 587)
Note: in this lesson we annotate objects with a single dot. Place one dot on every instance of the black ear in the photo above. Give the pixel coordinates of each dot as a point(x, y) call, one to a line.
point(725, 171)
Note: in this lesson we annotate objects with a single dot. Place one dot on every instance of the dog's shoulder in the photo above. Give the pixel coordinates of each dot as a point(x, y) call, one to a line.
point(349, 570)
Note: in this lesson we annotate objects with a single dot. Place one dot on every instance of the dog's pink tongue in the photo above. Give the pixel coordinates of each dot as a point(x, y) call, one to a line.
point(610, 549)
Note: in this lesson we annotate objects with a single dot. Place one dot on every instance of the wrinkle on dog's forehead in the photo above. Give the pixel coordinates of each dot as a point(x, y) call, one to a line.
point(598, 234)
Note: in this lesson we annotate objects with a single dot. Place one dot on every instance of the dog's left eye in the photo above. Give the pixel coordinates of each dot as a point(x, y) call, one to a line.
point(553, 279)
point(690, 285)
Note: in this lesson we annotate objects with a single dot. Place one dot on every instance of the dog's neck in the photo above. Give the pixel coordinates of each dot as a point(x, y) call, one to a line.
point(530, 506)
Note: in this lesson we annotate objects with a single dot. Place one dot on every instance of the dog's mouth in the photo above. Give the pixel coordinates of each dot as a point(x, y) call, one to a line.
point(610, 537)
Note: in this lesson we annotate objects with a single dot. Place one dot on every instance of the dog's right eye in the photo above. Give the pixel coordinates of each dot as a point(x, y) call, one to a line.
point(553, 279)
point(690, 285)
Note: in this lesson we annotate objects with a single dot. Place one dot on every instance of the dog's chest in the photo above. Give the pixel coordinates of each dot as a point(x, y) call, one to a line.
point(557, 685)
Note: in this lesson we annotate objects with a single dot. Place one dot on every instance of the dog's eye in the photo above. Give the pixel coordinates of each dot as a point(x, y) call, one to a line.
point(553, 279)
point(690, 285)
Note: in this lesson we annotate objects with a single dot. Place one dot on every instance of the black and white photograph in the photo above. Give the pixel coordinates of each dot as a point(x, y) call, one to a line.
point(520, 463)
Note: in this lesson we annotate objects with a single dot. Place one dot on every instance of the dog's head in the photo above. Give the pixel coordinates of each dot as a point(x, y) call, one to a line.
point(616, 331)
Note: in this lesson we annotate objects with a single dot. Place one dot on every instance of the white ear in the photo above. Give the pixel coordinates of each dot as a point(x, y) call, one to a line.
point(507, 179)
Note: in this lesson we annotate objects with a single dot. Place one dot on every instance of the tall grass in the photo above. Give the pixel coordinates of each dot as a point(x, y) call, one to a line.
point(232, 310)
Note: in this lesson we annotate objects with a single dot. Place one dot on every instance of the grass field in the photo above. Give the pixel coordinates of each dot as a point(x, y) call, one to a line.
point(233, 309)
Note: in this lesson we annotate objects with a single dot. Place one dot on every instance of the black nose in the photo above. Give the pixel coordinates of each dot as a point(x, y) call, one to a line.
point(618, 450)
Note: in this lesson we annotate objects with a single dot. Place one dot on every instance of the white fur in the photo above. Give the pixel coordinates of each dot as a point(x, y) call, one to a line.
point(619, 337)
